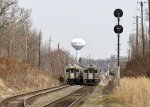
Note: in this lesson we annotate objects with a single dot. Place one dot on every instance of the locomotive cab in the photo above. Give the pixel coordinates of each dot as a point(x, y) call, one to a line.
point(91, 75)
point(74, 75)
point(71, 75)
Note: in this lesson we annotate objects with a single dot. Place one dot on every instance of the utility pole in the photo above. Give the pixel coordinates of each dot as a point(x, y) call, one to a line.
point(58, 59)
point(143, 38)
point(50, 56)
point(89, 59)
point(142, 28)
point(129, 54)
point(137, 36)
point(67, 58)
point(39, 63)
point(149, 22)
point(149, 15)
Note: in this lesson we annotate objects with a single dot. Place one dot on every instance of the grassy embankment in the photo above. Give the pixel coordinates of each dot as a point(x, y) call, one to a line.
point(16, 77)
point(133, 92)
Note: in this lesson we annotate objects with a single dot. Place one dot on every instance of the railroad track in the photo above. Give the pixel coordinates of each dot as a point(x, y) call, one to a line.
point(73, 99)
point(18, 101)
point(45, 98)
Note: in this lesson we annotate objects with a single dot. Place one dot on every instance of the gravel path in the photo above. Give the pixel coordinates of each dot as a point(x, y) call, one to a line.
point(93, 99)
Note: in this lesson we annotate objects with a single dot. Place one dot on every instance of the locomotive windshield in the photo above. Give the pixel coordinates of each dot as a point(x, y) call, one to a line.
point(72, 71)
point(67, 70)
point(77, 70)
point(85, 71)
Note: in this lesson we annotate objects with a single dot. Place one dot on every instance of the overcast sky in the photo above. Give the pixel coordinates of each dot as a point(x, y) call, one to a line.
point(91, 20)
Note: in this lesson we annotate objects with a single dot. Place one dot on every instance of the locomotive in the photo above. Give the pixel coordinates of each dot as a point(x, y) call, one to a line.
point(91, 75)
point(73, 74)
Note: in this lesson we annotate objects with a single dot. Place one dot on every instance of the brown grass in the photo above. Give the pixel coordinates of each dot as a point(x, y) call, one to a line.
point(19, 77)
point(134, 92)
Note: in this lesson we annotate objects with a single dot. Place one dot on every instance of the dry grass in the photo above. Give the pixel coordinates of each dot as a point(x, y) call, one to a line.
point(16, 77)
point(134, 92)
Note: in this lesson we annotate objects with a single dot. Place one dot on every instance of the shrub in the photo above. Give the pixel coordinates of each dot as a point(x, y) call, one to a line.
point(61, 79)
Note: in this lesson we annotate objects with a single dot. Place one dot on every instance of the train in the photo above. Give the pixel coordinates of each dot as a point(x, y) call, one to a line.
point(73, 74)
point(91, 75)
point(78, 75)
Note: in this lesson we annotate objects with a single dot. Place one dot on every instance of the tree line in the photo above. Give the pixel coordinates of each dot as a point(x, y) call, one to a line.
point(18, 40)
point(138, 63)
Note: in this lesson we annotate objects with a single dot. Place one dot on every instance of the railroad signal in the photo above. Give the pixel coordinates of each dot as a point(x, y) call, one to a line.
point(118, 29)
point(118, 13)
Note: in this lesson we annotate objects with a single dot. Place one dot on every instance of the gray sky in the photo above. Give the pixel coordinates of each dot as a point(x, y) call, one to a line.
point(91, 20)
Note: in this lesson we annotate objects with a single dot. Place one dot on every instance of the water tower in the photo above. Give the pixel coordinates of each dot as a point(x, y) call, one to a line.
point(78, 44)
